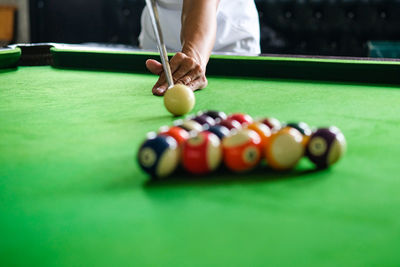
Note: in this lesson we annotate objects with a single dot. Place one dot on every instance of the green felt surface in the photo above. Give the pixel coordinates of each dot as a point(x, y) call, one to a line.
point(72, 194)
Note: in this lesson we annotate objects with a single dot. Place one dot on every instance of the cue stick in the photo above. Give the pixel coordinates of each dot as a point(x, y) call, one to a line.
point(155, 21)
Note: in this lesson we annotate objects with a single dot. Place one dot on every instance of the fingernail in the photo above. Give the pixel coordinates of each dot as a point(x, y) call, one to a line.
point(160, 91)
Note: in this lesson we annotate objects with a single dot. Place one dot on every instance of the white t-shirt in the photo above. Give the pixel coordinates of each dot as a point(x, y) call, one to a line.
point(238, 29)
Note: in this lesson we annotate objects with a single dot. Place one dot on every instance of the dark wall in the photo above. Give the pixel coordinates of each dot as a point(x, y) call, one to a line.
point(322, 27)
point(330, 27)
point(77, 21)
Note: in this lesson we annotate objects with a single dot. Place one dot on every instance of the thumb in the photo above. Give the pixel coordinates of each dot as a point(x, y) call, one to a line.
point(154, 66)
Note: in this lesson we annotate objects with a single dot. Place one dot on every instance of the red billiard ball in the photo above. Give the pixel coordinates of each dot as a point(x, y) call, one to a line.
point(179, 134)
point(202, 153)
point(158, 155)
point(231, 124)
point(273, 123)
point(242, 150)
point(326, 146)
point(241, 118)
point(284, 149)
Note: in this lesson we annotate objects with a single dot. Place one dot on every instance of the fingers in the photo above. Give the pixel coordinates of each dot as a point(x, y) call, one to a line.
point(191, 76)
point(161, 85)
point(154, 66)
point(185, 70)
point(198, 84)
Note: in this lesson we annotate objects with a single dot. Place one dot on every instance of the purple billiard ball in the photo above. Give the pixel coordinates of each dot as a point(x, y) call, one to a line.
point(326, 146)
point(204, 120)
point(216, 115)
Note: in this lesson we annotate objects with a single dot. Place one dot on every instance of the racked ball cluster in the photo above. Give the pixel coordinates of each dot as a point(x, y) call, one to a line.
point(202, 143)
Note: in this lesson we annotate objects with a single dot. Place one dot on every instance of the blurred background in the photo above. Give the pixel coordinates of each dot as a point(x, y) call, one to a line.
point(355, 28)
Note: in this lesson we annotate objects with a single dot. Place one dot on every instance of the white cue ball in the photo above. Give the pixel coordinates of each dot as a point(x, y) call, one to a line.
point(179, 99)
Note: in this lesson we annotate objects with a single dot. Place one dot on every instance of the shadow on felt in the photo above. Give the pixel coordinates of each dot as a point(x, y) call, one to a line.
point(223, 176)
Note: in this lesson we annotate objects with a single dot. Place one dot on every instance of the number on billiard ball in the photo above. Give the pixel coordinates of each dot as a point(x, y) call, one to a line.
point(241, 150)
point(158, 155)
point(326, 146)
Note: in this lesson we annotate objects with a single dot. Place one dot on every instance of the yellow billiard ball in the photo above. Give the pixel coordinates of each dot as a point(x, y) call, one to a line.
point(179, 99)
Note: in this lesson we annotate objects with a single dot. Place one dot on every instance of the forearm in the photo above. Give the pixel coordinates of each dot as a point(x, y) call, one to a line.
point(199, 26)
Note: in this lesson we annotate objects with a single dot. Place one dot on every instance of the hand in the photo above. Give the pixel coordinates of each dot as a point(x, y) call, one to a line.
point(185, 70)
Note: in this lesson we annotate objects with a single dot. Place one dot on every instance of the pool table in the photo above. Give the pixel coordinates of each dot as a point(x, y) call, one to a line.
point(73, 194)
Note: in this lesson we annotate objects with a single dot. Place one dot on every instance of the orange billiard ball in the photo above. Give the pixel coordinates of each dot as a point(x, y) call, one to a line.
point(263, 131)
point(242, 151)
point(284, 149)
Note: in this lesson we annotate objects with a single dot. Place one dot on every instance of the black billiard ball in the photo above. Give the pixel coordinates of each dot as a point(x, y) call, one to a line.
point(326, 146)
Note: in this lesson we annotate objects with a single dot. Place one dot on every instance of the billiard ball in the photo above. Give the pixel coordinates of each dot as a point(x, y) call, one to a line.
point(263, 131)
point(243, 119)
point(204, 120)
point(202, 153)
point(189, 125)
point(231, 124)
point(158, 155)
point(326, 146)
point(179, 134)
point(241, 150)
point(273, 123)
point(216, 115)
point(284, 149)
point(179, 99)
point(219, 130)
point(303, 128)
